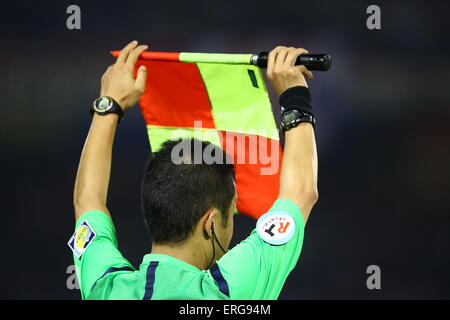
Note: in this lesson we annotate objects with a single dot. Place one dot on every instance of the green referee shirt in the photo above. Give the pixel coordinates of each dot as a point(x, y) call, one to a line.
point(256, 268)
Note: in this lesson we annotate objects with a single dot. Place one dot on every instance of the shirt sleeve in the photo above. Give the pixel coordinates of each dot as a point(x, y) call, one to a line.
point(95, 231)
point(255, 269)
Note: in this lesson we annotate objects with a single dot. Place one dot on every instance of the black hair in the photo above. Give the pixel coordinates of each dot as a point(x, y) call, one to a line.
point(180, 185)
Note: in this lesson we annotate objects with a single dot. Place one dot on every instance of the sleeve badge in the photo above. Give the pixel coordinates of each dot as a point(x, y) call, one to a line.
point(276, 227)
point(81, 239)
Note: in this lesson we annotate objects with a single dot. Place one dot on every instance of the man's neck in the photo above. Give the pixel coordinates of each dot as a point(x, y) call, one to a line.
point(186, 252)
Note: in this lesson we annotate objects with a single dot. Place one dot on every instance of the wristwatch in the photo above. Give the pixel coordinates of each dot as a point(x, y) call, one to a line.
point(106, 105)
point(290, 119)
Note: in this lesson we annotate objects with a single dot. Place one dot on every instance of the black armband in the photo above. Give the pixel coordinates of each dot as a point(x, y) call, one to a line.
point(296, 98)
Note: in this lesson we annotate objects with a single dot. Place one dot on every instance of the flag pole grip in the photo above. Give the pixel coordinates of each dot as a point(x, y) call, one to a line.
point(314, 62)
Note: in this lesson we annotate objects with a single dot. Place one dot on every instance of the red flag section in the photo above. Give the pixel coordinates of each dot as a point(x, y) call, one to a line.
point(256, 191)
point(175, 95)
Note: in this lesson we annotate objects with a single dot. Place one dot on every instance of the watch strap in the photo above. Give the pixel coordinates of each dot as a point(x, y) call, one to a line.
point(298, 117)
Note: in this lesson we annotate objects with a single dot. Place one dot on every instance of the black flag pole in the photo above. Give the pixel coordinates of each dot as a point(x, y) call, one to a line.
point(314, 62)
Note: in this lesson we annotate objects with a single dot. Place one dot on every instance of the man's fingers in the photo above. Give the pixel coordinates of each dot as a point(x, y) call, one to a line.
point(141, 78)
point(125, 52)
point(293, 54)
point(271, 61)
point(281, 67)
point(134, 55)
point(279, 61)
point(272, 58)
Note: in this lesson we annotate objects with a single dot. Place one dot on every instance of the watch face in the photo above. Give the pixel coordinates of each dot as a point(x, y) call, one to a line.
point(290, 117)
point(103, 104)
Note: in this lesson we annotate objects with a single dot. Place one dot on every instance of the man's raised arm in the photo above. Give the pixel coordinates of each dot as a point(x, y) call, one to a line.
point(298, 178)
point(119, 91)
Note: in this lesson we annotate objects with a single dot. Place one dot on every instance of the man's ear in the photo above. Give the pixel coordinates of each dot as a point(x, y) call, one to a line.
point(208, 223)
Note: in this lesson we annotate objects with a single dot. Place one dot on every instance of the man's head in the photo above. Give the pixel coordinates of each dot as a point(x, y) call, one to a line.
point(185, 199)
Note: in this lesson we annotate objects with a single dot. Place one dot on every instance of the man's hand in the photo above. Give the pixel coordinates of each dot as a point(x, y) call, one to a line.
point(282, 71)
point(118, 81)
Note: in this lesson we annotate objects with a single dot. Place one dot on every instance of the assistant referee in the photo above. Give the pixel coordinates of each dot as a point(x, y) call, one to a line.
point(188, 207)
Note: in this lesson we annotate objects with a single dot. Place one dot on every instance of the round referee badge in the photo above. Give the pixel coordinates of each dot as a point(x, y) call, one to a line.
point(276, 227)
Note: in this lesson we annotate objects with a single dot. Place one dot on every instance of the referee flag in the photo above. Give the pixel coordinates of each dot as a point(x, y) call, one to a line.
point(220, 98)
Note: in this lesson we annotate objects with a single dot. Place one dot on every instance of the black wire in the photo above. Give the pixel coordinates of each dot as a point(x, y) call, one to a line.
point(214, 252)
point(214, 235)
point(214, 247)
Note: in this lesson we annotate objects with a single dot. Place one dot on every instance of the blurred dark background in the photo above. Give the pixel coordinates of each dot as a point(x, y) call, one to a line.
point(383, 134)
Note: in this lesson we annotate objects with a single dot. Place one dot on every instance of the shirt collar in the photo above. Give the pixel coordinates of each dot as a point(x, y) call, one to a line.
point(166, 258)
